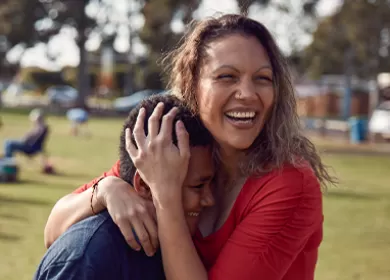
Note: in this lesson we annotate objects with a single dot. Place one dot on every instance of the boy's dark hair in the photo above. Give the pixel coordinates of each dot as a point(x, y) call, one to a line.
point(199, 135)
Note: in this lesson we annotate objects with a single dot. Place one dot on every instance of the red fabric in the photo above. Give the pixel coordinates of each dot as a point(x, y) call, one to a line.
point(273, 231)
point(114, 171)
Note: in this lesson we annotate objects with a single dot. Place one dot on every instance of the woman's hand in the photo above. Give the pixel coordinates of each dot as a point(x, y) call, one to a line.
point(130, 212)
point(161, 164)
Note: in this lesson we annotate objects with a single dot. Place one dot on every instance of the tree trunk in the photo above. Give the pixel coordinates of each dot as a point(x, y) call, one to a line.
point(82, 76)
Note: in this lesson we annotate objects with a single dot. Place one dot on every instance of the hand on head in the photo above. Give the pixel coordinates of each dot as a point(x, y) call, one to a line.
point(161, 164)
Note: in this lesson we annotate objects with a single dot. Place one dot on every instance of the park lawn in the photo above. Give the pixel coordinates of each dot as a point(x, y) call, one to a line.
point(356, 233)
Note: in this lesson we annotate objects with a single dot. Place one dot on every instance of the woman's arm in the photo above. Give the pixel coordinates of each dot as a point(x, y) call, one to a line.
point(128, 210)
point(73, 208)
point(180, 258)
point(69, 210)
point(163, 166)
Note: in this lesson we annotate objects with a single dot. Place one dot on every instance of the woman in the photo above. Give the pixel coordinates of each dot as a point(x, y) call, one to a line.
point(267, 219)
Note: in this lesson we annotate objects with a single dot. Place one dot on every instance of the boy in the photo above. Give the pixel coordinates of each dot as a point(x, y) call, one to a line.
point(95, 248)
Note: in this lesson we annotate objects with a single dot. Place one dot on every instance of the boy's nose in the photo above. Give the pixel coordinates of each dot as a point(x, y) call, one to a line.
point(207, 198)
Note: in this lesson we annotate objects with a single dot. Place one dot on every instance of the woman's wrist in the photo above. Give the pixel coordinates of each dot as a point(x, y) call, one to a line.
point(166, 200)
point(100, 193)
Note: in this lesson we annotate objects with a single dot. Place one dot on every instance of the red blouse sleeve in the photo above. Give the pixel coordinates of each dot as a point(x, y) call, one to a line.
point(277, 223)
point(114, 171)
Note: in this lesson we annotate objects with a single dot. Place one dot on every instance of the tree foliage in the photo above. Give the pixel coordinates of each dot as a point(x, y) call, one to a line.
point(357, 36)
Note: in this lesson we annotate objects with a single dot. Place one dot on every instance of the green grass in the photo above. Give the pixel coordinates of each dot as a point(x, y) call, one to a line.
point(357, 225)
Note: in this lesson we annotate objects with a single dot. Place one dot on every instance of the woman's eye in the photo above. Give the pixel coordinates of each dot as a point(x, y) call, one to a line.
point(225, 77)
point(264, 78)
point(198, 186)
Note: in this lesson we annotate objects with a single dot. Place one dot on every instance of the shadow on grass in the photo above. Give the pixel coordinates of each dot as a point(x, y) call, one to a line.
point(43, 184)
point(352, 195)
point(8, 237)
point(11, 200)
point(352, 151)
point(12, 217)
point(77, 176)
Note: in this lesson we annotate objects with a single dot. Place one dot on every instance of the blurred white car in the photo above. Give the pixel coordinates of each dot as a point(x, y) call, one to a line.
point(379, 124)
point(62, 95)
point(127, 103)
point(21, 93)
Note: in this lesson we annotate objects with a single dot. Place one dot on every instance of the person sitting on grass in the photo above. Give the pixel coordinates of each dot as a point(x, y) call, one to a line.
point(33, 141)
point(95, 247)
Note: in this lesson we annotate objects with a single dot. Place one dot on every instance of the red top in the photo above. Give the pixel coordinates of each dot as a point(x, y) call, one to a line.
point(273, 231)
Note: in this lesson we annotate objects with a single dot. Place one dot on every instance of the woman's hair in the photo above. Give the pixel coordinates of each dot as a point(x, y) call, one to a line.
point(281, 140)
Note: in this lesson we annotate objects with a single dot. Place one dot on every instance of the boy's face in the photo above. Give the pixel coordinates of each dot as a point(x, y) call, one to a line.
point(197, 186)
point(197, 192)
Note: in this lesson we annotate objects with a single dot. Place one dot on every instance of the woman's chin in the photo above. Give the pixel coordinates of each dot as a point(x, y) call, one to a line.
point(238, 145)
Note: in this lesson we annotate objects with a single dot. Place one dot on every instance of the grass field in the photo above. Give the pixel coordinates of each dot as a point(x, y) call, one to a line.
point(357, 213)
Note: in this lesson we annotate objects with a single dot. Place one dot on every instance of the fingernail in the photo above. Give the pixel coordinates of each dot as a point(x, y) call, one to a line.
point(150, 254)
point(180, 125)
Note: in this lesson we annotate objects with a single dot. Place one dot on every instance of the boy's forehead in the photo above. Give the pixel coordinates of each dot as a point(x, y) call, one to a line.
point(201, 164)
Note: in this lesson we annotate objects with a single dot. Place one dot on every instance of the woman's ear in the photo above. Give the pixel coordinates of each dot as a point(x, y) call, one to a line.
point(141, 187)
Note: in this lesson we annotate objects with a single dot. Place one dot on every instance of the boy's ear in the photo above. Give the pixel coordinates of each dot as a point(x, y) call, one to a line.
point(141, 187)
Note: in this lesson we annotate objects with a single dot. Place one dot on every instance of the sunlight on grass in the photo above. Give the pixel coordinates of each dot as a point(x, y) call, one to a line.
point(356, 233)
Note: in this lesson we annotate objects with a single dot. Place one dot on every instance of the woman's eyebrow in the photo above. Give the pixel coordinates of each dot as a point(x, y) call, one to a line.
point(231, 67)
point(268, 67)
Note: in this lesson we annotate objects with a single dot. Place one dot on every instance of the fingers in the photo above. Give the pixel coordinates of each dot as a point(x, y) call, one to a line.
point(127, 232)
point(167, 124)
point(154, 120)
point(139, 132)
point(130, 146)
point(183, 140)
point(151, 228)
point(143, 237)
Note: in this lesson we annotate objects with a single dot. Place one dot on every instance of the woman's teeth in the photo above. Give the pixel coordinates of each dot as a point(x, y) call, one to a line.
point(193, 214)
point(241, 115)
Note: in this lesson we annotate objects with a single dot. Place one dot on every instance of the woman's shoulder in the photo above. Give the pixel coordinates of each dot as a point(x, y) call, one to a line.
point(291, 184)
point(287, 180)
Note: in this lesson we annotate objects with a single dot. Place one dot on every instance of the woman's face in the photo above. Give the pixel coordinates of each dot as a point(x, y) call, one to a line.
point(235, 90)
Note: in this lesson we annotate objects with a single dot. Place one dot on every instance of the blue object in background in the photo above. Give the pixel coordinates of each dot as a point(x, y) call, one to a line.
point(364, 127)
point(77, 115)
point(358, 129)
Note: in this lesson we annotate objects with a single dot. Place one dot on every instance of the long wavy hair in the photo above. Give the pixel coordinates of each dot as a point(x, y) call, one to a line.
point(281, 141)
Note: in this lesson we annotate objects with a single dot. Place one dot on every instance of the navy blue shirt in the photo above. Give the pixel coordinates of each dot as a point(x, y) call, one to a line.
point(96, 249)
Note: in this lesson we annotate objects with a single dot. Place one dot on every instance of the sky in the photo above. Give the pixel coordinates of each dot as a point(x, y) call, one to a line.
point(282, 26)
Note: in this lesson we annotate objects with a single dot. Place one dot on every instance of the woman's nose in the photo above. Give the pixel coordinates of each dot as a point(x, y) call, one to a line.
point(247, 90)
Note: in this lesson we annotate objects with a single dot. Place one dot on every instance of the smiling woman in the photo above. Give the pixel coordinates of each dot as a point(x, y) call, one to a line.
point(267, 218)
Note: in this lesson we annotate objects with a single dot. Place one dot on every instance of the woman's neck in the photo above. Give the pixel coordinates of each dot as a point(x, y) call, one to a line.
point(230, 160)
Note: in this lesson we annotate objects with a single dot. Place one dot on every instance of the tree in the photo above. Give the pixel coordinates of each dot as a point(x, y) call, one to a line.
point(308, 6)
point(157, 33)
point(33, 21)
point(357, 37)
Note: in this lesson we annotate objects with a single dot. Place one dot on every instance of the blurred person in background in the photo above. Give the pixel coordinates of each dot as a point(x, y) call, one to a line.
point(34, 140)
point(78, 118)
